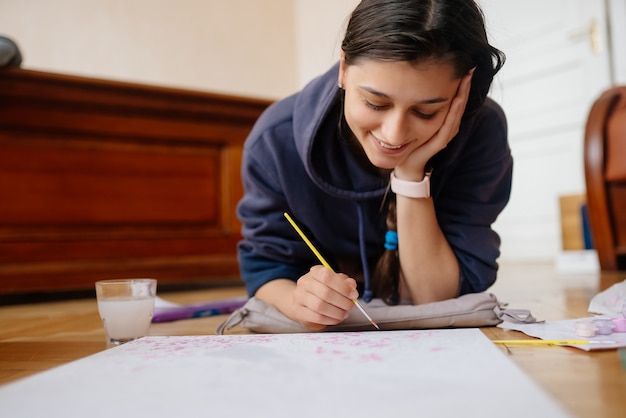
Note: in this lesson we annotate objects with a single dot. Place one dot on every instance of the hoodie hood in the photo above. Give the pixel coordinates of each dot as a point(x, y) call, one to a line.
point(329, 160)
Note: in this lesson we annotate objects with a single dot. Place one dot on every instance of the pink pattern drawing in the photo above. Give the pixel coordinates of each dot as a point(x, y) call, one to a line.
point(351, 347)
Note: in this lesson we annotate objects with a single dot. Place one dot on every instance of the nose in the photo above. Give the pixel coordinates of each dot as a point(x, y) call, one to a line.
point(395, 128)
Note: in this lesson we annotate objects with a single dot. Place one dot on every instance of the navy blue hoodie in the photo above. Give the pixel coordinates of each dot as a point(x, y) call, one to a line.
point(295, 161)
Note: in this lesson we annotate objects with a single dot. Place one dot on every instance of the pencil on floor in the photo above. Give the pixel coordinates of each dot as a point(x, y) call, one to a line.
point(551, 342)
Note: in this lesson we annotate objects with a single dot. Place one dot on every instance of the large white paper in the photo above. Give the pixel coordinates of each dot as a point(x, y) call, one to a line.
point(428, 373)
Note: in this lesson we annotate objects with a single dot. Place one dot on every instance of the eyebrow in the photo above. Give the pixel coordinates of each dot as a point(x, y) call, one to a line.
point(375, 92)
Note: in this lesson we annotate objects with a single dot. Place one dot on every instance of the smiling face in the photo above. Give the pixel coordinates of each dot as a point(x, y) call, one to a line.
point(394, 107)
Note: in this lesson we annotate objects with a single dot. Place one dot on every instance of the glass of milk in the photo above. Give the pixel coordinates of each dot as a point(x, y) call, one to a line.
point(126, 307)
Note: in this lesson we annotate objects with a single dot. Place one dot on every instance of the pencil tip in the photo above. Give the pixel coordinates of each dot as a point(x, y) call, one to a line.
point(376, 325)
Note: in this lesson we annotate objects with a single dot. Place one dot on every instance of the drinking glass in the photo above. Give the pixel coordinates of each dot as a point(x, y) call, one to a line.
point(126, 307)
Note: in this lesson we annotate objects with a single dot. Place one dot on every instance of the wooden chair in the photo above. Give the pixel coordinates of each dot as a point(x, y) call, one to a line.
point(605, 174)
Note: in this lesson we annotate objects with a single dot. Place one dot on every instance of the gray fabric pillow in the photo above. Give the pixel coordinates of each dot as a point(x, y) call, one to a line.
point(471, 310)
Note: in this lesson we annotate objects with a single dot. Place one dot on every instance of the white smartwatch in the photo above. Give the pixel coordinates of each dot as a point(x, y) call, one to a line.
point(415, 189)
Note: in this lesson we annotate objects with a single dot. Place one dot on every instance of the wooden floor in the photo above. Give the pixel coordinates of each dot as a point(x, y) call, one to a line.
point(36, 337)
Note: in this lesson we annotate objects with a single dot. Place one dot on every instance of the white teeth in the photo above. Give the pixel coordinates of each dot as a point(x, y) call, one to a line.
point(387, 146)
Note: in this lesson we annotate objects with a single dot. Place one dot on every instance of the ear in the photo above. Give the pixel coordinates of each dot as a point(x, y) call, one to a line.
point(342, 68)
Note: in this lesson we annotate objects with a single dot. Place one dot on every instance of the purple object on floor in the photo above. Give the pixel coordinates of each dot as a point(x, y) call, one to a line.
point(198, 310)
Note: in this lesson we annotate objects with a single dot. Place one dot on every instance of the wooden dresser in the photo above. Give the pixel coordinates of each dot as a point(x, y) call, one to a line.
point(102, 179)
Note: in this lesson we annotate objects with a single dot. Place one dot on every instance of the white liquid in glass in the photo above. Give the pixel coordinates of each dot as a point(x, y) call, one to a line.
point(126, 318)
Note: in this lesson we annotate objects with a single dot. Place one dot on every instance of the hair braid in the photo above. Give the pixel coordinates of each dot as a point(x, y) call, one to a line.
point(387, 271)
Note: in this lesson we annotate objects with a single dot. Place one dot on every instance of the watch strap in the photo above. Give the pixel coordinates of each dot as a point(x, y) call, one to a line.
point(414, 189)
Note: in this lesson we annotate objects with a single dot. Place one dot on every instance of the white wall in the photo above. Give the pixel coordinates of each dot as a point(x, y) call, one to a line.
point(231, 46)
point(617, 26)
point(551, 78)
point(320, 25)
point(265, 48)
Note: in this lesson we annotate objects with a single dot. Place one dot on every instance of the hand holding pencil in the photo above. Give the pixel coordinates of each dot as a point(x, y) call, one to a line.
point(326, 265)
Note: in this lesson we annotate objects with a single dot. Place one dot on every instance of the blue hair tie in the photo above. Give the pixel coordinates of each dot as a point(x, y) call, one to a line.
point(391, 240)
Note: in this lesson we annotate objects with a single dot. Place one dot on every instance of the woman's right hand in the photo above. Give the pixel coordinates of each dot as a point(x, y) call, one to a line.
point(322, 297)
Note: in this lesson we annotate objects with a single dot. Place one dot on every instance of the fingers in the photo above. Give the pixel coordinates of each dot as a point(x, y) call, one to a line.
point(323, 297)
point(452, 122)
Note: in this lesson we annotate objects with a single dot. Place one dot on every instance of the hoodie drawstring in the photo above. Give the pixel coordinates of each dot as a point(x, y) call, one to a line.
point(367, 293)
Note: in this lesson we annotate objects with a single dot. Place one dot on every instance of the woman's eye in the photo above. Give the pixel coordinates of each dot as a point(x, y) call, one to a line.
point(426, 116)
point(374, 106)
point(421, 115)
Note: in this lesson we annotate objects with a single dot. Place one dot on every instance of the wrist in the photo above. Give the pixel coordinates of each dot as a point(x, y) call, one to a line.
point(409, 174)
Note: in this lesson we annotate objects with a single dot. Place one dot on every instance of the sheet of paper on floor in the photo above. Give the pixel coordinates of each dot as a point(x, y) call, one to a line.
point(431, 373)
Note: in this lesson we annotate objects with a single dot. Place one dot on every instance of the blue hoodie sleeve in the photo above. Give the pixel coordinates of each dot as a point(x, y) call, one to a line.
point(474, 191)
point(266, 253)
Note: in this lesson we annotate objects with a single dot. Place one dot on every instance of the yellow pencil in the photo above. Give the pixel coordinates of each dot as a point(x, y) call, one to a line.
point(325, 263)
point(551, 342)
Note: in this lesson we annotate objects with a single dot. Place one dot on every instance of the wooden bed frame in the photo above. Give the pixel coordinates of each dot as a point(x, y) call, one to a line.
point(102, 179)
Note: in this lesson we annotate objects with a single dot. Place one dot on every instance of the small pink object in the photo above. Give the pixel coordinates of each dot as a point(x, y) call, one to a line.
point(605, 326)
point(620, 324)
point(585, 328)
